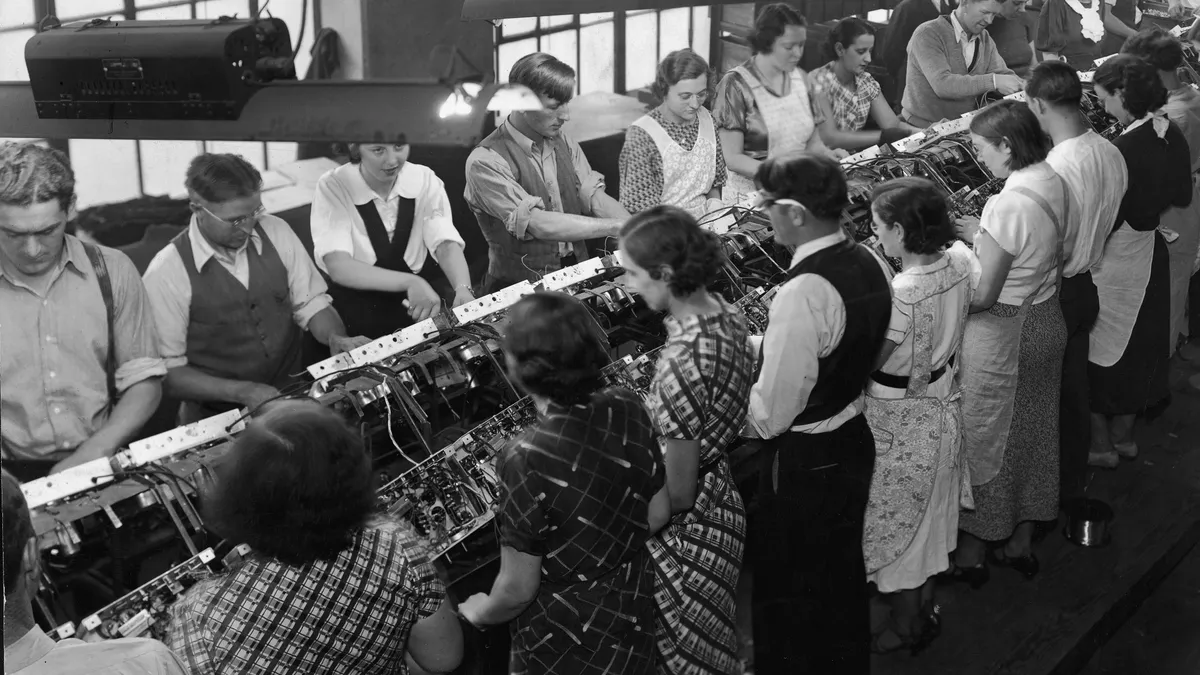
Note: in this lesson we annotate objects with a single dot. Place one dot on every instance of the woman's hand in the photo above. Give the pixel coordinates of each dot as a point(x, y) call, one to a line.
point(462, 296)
point(838, 154)
point(342, 343)
point(423, 302)
point(968, 227)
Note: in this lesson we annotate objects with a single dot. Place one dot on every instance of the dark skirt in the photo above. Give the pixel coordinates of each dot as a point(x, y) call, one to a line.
point(1138, 380)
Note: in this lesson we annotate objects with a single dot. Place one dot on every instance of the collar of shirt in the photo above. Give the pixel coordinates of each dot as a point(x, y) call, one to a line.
point(960, 33)
point(31, 648)
point(73, 257)
point(202, 251)
point(526, 143)
point(1034, 173)
point(405, 186)
point(809, 248)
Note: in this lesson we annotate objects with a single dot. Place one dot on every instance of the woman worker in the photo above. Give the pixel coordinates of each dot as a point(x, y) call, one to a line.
point(762, 108)
point(672, 155)
point(382, 232)
point(1071, 31)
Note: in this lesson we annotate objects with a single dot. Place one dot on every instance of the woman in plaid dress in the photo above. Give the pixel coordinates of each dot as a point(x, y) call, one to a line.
point(698, 399)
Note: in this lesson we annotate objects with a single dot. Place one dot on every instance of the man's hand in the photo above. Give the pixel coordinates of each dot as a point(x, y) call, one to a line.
point(253, 394)
point(87, 451)
point(1009, 84)
point(968, 227)
point(341, 343)
point(469, 609)
point(463, 296)
point(423, 302)
point(838, 154)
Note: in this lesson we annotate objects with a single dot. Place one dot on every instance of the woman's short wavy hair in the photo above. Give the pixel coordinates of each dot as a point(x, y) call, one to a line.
point(919, 208)
point(31, 174)
point(1160, 48)
point(771, 22)
point(296, 485)
point(1135, 80)
point(680, 65)
point(844, 33)
point(1015, 124)
point(668, 235)
point(554, 348)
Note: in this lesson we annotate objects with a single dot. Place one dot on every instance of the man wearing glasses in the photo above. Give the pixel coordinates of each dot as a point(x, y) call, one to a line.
point(80, 372)
point(233, 294)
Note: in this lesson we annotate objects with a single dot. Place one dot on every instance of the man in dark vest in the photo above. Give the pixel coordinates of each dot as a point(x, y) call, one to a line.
point(826, 327)
point(232, 295)
point(531, 188)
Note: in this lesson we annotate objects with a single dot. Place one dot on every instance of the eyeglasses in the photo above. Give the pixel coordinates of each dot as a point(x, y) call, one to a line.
point(768, 202)
point(246, 222)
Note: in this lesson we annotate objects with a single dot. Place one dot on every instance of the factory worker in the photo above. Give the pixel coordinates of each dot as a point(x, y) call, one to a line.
point(382, 231)
point(232, 295)
point(827, 326)
point(531, 188)
point(81, 372)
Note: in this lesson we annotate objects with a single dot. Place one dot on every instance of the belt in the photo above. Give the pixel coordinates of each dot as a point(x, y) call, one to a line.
point(898, 382)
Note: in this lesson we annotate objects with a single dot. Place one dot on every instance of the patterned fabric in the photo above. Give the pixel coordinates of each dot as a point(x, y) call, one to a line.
point(641, 163)
point(576, 491)
point(701, 391)
point(850, 107)
point(349, 615)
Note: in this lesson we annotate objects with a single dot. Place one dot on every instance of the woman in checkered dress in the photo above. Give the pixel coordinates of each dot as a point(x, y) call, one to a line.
point(698, 399)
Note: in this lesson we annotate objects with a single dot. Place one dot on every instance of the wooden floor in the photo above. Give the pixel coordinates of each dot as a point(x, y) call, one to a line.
point(1130, 608)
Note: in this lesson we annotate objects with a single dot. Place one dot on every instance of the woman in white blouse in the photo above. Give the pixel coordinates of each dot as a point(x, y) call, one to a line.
point(382, 232)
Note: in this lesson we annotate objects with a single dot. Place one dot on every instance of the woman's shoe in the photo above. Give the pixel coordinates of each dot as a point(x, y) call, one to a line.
point(931, 614)
point(975, 576)
point(1104, 460)
point(1126, 450)
point(1027, 564)
point(890, 640)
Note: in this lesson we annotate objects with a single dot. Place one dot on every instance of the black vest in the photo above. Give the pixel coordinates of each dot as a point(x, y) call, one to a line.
point(856, 275)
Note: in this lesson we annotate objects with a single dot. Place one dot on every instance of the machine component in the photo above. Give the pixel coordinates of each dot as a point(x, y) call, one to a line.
point(162, 446)
point(67, 484)
point(164, 70)
point(490, 304)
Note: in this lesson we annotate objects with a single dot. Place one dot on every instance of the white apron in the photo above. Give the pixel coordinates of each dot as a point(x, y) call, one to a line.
point(789, 123)
point(1121, 277)
point(688, 175)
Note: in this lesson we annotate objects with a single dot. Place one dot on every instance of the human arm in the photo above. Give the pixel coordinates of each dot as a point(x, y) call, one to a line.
point(327, 327)
point(995, 263)
point(435, 643)
point(831, 135)
point(442, 239)
point(928, 54)
point(679, 403)
point(454, 263)
point(1113, 24)
point(732, 106)
point(514, 590)
point(816, 144)
point(886, 119)
point(189, 384)
point(136, 405)
point(641, 171)
point(737, 161)
point(423, 301)
point(592, 195)
point(1053, 28)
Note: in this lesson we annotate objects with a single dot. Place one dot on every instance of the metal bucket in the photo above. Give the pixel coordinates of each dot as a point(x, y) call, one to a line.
point(1088, 522)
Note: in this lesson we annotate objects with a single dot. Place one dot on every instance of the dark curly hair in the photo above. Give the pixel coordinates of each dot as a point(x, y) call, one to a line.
point(771, 22)
point(816, 181)
point(918, 207)
point(555, 348)
point(844, 33)
point(1135, 80)
point(296, 485)
point(1015, 124)
point(668, 235)
point(680, 65)
point(220, 177)
point(1157, 46)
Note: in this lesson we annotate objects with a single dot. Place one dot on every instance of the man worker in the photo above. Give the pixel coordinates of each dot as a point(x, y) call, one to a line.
point(900, 27)
point(951, 62)
point(233, 294)
point(27, 648)
point(81, 372)
point(531, 188)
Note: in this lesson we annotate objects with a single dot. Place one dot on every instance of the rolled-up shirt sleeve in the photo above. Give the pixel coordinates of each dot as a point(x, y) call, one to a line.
point(137, 352)
point(332, 221)
point(435, 214)
point(169, 292)
point(590, 181)
point(308, 291)
point(493, 189)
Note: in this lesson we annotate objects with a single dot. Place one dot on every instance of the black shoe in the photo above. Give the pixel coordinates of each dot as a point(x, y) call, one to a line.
point(1027, 564)
point(975, 576)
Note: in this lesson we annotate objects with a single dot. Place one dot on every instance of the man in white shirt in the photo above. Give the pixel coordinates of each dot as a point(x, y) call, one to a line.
point(827, 325)
point(232, 295)
point(1095, 172)
point(27, 648)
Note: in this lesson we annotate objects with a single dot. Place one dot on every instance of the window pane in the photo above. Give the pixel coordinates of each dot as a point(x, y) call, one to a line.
point(12, 55)
point(66, 10)
point(562, 46)
point(598, 55)
point(560, 20)
point(701, 25)
point(165, 13)
point(16, 13)
point(164, 165)
point(593, 18)
point(105, 171)
point(214, 9)
point(290, 13)
point(279, 153)
point(641, 35)
point(251, 150)
point(674, 25)
point(507, 55)
point(510, 27)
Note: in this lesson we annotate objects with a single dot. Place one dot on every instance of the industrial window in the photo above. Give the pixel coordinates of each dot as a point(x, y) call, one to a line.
point(610, 51)
point(116, 170)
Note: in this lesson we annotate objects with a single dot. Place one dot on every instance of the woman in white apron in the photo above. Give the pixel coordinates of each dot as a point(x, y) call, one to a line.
point(1180, 226)
point(1130, 341)
point(1012, 352)
point(915, 411)
point(672, 156)
point(762, 107)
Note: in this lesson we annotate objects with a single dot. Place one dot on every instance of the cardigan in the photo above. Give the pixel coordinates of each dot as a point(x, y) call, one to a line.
point(904, 20)
point(939, 86)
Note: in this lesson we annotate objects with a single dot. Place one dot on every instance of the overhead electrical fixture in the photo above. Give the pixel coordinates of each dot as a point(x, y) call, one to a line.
point(501, 98)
